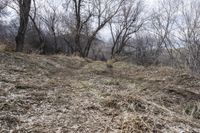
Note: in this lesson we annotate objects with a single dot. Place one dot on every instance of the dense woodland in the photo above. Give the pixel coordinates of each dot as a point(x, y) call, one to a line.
point(167, 33)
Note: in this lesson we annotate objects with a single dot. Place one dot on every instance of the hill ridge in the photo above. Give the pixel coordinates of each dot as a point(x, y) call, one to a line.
point(70, 94)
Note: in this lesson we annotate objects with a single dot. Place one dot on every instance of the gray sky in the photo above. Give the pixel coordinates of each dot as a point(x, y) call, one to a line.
point(105, 33)
point(149, 4)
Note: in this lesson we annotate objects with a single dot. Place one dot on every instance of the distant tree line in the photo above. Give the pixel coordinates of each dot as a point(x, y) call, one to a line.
point(167, 34)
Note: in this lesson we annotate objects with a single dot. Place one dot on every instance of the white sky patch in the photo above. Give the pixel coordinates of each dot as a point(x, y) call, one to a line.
point(149, 5)
point(104, 33)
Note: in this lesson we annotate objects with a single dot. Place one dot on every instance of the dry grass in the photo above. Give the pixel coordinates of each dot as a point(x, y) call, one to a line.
point(70, 94)
point(6, 47)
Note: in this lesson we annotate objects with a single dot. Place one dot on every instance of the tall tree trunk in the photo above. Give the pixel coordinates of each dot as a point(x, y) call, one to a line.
point(37, 28)
point(24, 7)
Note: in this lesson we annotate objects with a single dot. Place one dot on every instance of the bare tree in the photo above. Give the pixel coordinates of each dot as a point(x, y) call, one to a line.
point(82, 16)
point(127, 22)
point(3, 28)
point(24, 9)
point(91, 16)
point(163, 28)
point(34, 19)
point(189, 35)
point(3, 4)
point(104, 11)
point(51, 19)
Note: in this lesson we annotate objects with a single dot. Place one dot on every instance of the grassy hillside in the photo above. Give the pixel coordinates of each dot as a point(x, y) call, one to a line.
point(70, 94)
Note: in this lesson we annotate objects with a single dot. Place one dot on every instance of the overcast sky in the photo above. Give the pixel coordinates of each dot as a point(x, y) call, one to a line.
point(105, 33)
point(149, 4)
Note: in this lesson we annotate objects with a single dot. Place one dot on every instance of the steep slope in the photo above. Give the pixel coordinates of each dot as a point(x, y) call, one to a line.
point(70, 94)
